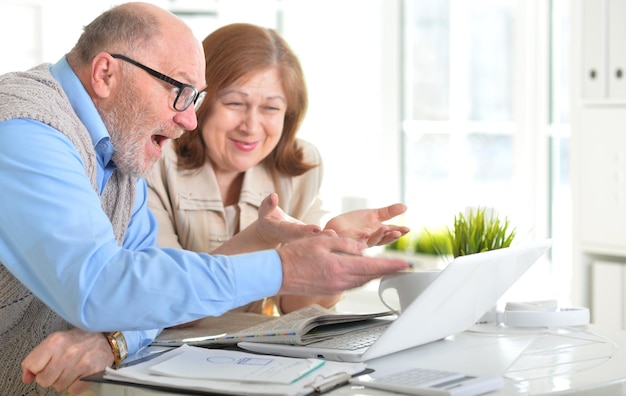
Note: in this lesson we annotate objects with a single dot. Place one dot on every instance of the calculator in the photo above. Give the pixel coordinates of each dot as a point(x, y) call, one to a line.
point(421, 381)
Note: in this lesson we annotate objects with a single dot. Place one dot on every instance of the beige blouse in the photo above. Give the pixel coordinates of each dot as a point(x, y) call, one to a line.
point(188, 206)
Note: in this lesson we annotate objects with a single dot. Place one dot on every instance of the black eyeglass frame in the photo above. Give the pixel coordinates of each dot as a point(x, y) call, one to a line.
point(181, 86)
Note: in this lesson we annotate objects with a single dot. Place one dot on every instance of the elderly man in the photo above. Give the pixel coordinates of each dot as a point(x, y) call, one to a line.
point(78, 254)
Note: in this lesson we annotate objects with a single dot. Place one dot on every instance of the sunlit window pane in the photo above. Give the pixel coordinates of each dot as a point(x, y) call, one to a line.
point(428, 159)
point(460, 108)
point(491, 157)
point(428, 59)
point(490, 48)
point(560, 76)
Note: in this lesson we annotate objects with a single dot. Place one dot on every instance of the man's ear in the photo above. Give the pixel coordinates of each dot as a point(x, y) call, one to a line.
point(105, 75)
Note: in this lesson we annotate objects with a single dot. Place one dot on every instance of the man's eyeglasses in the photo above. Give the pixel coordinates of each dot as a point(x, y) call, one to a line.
point(185, 94)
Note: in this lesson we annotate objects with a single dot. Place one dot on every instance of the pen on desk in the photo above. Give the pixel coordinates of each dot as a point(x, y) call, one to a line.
point(142, 359)
point(342, 379)
point(204, 338)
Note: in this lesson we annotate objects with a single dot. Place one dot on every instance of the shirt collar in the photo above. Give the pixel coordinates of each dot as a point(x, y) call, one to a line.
point(85, 109)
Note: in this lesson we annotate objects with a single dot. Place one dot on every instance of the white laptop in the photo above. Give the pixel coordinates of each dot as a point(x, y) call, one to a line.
point(462, 293)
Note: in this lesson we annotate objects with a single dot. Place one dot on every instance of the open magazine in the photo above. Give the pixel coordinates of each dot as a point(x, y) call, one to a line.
point(300, 327)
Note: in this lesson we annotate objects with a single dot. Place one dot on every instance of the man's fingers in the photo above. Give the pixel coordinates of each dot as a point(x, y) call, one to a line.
point(346, 246)
point(64, 357)
point(48, 378)
point(67, 380)
point(372, 267)
point(358, 270)
point(37, 362)
point(28, 376)
point(327, 266)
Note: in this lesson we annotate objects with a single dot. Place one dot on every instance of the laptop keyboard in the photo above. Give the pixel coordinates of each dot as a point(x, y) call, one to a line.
point(353, 340)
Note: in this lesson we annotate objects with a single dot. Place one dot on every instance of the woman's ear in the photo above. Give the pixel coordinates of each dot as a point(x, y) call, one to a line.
point(105, 74)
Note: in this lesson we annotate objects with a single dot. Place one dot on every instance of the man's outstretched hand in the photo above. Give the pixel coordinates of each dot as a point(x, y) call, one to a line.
point(327, 265)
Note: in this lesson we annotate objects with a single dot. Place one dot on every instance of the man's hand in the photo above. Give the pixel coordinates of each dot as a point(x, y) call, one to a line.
point(64, 357)
point(326, 265)
point(366, 225)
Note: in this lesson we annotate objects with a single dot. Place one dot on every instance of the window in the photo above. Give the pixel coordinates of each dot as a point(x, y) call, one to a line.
point(460, 127)
point(483, 123)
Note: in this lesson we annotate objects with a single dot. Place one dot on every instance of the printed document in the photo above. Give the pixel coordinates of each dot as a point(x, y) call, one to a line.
point(221, 364)
point(235, 379)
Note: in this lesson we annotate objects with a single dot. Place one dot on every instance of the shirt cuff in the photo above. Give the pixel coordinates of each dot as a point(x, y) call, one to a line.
point(258, 275)
point(136, 340)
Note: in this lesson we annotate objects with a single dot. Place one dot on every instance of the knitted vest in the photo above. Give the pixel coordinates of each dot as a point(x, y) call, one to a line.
point(24, 319)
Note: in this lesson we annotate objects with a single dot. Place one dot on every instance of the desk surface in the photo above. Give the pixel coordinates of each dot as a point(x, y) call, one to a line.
point(582, 360)
point(540, 361)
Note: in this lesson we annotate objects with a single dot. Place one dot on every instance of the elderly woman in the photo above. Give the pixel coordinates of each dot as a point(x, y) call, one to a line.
point(210, 182)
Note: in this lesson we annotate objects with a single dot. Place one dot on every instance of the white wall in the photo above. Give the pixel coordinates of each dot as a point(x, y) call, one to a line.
point(34, 31)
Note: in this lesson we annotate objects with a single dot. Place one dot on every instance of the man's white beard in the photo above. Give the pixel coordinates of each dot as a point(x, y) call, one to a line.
point(122, 121)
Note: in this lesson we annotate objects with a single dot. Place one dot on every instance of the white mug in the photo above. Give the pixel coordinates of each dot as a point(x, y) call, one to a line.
point(408, 285)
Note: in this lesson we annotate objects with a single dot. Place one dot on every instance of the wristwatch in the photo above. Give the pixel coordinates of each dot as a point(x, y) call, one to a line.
point(118, 346)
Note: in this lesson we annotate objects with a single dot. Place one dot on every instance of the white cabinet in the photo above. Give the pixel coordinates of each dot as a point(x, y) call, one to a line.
point(593, 49)
point(602, 195)
point(598, 158)
point(616, 53)
point(602, 43)
point(608, 307)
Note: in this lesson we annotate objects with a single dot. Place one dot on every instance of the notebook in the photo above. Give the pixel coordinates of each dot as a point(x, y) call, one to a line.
point(462, 293)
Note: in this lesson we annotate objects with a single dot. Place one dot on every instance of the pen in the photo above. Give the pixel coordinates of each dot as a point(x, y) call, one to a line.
point(342, 379)
point(204, 338)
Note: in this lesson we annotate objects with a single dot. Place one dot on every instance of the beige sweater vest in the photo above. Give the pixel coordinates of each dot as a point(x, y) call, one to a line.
point(24, 319)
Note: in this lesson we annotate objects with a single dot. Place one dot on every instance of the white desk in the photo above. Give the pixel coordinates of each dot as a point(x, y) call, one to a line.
point(577, 361)
point(581, 361)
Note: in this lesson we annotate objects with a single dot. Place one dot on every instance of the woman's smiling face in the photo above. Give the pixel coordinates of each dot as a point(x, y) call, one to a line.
point(246, 122)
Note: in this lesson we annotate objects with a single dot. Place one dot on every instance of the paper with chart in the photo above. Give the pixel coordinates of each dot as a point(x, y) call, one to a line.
point(139, 374)
point(228, 365)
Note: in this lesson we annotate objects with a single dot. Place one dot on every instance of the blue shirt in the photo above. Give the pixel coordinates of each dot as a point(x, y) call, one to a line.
point(56, 239)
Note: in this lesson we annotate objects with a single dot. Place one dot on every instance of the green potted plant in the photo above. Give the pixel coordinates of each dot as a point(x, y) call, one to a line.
point(478, 231)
